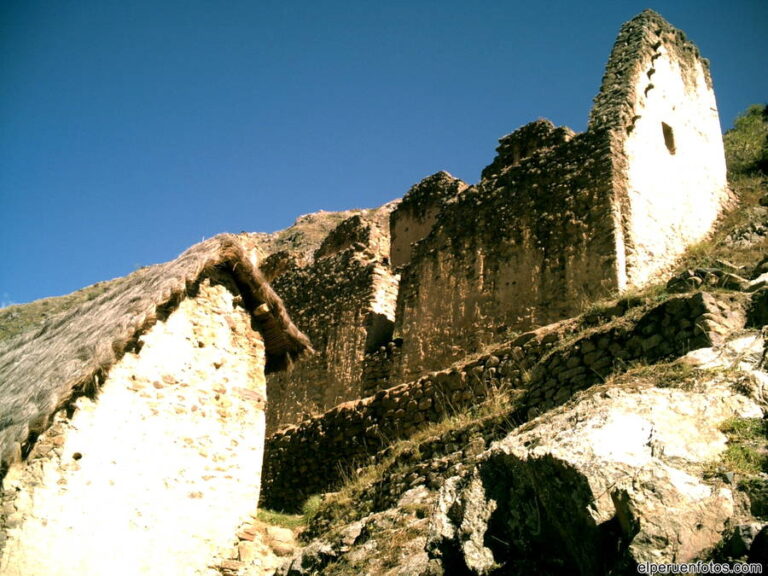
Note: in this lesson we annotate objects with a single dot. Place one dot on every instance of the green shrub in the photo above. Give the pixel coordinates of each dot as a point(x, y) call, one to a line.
point(746, 451)
point(746, 144)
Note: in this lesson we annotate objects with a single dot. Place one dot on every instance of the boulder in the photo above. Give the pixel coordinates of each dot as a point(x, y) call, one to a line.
point(611, 480)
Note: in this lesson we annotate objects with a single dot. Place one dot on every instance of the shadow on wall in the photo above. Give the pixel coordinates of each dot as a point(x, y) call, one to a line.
point(379, 330)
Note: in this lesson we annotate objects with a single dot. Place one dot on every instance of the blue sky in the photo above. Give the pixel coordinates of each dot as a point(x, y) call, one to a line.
point(131, 130)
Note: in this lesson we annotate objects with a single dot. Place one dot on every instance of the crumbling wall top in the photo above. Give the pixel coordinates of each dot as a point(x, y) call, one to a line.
point(353, 232)
point(523, 142)
point(428, 193)
point(637, 46)
point(418, 211)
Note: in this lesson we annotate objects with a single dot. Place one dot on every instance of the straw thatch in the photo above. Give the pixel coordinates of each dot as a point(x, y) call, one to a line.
point(70, 352)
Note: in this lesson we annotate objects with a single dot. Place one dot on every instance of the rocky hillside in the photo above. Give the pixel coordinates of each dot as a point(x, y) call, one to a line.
point(657, 453)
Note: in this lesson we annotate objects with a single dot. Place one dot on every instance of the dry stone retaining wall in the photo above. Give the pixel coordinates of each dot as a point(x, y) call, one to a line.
point(673, 328)
point(313, 456)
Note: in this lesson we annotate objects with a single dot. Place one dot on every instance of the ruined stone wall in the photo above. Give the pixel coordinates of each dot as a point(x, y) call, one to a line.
point(416, 214)
point(527, 246)
point(671, 329)
point(380, 368)
point(550, 364)
point(155, 474)
point(658, 101)
point(559, 220)
point(345, 303)
point(355, 232)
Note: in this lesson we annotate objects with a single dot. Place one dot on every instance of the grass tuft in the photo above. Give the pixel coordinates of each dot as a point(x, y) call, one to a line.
point(295, 522)
point(747, 451)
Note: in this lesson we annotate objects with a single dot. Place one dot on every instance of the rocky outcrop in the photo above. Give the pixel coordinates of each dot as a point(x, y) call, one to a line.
point(258, 549)
point(400, 533)
point(613, 480)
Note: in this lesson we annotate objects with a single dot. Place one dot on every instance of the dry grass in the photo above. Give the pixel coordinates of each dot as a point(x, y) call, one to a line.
point(724, 245)
point(20, 318)
point(295, 522)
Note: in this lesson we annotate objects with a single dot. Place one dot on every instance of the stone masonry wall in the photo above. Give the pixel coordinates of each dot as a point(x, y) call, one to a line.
point(380, 368)
point(671, 329)
point(550, 364)
point(155, 474)
point(416, 214)
point(527, 246)
point(345, 303)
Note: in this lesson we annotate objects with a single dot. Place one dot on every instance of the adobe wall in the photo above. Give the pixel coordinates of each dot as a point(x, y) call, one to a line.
point(525, 247)
point(658, 101)
point(156, 473)
point(549, 364)
point(345, 303)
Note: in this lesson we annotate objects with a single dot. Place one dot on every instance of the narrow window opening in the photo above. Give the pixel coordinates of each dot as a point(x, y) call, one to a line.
point(669, 137)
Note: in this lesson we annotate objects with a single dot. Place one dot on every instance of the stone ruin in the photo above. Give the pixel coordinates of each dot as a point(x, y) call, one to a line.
point(557, 220)
point(560, 219)
point(344, 297)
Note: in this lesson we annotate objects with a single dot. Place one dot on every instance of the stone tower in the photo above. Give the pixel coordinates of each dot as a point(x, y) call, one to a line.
point(658, 104)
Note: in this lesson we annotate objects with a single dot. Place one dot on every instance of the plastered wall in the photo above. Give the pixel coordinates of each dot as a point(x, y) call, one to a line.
point(154, 475)
point(675, 169)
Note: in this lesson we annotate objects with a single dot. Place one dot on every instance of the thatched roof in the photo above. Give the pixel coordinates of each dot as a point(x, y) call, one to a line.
point(69, 352)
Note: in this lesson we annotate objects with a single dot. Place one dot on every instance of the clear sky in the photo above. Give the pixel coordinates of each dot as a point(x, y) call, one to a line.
point(131, 130)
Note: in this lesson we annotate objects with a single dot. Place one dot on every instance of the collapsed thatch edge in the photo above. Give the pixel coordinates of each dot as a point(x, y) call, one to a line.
point(244, 269)
point(27, 406)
